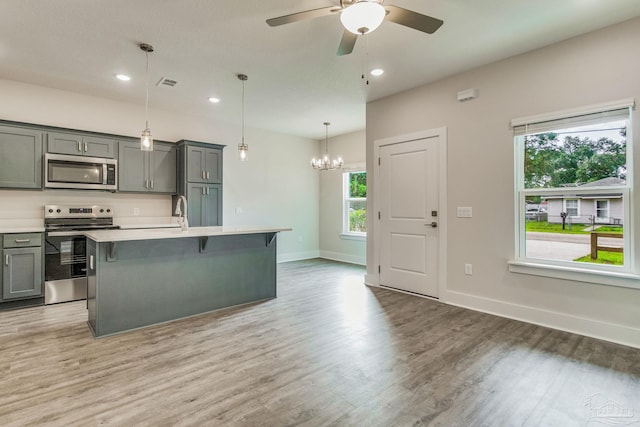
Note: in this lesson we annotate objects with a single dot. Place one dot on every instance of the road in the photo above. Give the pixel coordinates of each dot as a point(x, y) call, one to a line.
point(565, 247)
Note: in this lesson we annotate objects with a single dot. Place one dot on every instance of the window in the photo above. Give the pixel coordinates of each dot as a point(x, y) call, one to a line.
point(571, 207)
point(355, 203)
point(575, 165)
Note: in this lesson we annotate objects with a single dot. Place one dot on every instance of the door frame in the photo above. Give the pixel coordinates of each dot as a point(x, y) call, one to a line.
point(441, 134)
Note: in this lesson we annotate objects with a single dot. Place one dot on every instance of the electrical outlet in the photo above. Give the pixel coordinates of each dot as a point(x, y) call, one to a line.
point(136, 211)
point(239, 211)
point(464, 212)
point(468, 269)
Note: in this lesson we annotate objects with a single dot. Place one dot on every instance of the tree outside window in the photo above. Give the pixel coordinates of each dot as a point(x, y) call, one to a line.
point(355, 202)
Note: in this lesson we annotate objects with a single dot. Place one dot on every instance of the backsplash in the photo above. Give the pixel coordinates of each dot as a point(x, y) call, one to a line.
point(30, 204)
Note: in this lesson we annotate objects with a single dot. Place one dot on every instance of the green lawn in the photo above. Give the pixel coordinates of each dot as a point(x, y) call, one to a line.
point(546, 227)
point(604, 257)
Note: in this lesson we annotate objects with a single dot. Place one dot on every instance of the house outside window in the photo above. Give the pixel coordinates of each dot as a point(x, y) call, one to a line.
point(574, 168)
point(354, 204)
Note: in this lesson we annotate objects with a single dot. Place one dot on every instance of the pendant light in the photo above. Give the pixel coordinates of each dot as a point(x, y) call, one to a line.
point(325, 162)
point(243, 149)
point(146, 140)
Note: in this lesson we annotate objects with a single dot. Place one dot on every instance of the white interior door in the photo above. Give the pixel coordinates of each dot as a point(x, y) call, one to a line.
point(409, 215)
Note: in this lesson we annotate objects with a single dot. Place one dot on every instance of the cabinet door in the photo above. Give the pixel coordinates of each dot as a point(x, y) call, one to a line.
point(196, 164)
point(99, 147)
point(213, 171)
point(22, 273)
point(196, 205)
point(132, 175)
point(20, 158)
point(64, 143)
point(213, 203)
point(163, 169)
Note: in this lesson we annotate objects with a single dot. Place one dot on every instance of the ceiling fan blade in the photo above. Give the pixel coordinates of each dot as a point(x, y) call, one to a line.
point(347, 43)
point(308, 14)
point(412, 19)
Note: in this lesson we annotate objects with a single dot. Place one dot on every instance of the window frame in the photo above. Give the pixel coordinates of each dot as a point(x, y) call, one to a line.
point(626, 275)
point(566, 209)
point(346, 200)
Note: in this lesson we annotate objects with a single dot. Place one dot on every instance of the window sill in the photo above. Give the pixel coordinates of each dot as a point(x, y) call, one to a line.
point(353, 236)
point(600, 277)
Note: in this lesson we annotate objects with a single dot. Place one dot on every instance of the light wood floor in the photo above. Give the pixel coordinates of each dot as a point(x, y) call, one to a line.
point(327, 351)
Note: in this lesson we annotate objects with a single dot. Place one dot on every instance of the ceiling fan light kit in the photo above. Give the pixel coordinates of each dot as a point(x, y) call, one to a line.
point(360, 17)
point(363, 17)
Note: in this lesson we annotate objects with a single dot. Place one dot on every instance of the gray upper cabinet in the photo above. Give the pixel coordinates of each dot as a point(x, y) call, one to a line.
point(20, 157)
point(144, 172)
point(81, 145)
point(204, 164)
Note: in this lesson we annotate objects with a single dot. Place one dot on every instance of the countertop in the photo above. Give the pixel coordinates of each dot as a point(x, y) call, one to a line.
point(21, 226)
point(124, 235)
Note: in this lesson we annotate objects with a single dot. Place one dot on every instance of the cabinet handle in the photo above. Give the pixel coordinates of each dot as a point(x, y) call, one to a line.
point(208, 175)
point(6, 259)
point(79, 146)
point(151, 184)
point(23, 240)
point(203, 193)
point(86, 146)
point(91, 262)
point(204, 175)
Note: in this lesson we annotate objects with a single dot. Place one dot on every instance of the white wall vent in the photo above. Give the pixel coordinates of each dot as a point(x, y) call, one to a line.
point(466, 95)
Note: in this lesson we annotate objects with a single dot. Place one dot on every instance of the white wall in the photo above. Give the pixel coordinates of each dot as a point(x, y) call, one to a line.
point(352, 148)
point(275, 188)
point(589, 69)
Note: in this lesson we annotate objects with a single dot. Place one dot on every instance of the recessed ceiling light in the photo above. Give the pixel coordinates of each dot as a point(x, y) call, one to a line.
point(123, 77)
point(214, 100)
point(377, 72)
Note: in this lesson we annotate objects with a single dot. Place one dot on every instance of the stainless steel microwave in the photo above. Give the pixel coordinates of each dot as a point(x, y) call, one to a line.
point(88, 173)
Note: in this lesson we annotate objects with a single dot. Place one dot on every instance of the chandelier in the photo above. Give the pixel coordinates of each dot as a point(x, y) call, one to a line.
point(325, 162)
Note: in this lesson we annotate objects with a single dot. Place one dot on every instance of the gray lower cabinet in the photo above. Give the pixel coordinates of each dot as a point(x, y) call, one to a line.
point(20, 157)
point(22, 266)
point(81, 145)
point(144, 172)
point(204, 204)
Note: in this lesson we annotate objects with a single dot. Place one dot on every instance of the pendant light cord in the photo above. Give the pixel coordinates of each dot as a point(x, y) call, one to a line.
point(326, 138)
point(146, 105)
point(243, 111)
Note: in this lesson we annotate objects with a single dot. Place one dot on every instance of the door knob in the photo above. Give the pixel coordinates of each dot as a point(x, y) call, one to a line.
point(433, 224)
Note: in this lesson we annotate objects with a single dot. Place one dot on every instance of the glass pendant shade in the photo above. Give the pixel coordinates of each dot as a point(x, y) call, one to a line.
point(243, 152)
point(363, 17)
point(146, 140)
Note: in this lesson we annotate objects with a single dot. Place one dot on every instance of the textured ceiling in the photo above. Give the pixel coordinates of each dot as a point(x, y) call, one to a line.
point(296, 81)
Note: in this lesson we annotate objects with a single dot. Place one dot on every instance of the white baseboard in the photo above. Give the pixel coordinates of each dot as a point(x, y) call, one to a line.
point(619, 334)
point(297, 256)
point(371, 280)
point(342, 257)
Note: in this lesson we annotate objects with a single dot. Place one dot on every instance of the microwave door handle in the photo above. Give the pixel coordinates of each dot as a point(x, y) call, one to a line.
point(104, 173)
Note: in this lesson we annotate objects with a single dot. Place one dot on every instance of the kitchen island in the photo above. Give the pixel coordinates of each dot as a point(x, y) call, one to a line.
point(137, 278)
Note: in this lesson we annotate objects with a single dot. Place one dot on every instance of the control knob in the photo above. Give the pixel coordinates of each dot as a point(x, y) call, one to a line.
point(50, 210)
point(58, 211)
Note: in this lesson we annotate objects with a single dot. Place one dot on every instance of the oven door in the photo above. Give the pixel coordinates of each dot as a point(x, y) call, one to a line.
point(65, 268)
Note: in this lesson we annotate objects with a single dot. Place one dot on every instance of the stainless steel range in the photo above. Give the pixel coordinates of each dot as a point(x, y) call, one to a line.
point(65, 268)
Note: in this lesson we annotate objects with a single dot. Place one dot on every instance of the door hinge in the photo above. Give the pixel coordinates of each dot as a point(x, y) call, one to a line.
point(379, 216)
point(378, 269)
point(378, 161)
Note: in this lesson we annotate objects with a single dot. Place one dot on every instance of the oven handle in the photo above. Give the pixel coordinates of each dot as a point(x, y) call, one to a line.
point(91, 262)
point(65, 234)
point(104, 173)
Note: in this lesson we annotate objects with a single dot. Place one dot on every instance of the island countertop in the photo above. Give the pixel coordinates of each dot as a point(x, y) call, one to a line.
point(175, 233)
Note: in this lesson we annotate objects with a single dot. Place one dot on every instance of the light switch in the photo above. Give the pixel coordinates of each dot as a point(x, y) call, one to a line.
point(464, 212)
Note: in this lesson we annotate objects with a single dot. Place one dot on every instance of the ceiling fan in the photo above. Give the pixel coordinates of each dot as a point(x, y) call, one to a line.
point(360, 17)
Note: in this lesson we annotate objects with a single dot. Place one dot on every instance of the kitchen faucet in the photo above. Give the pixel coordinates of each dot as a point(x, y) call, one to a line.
point(182, 216)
